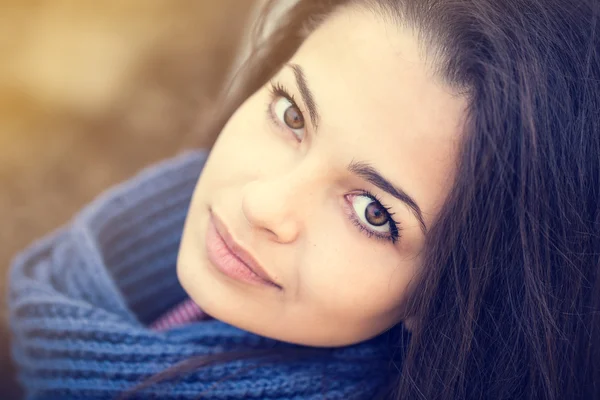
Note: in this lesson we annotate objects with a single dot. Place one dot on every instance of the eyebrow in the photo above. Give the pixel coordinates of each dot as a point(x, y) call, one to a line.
point(370, 174)
point(306, 94)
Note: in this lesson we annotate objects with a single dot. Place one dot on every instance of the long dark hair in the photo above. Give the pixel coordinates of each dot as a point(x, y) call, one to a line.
point(508, 304)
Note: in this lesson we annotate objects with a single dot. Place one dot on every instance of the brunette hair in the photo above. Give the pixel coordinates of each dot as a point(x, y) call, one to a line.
point(508, 304)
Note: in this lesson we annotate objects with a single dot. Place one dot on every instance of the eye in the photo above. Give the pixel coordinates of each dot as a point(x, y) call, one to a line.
point(371, 213)
point(372, 218)
point(289, 114)
point(286, 113)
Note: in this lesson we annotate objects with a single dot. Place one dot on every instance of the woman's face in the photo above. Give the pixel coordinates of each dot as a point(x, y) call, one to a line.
point(328, 178)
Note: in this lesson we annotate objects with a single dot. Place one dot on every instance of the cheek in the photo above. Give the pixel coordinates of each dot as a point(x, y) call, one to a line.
point(357, 284)
point(250, 139)
point(246, 126)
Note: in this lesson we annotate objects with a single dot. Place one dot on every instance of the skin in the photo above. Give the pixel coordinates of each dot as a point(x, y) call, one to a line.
point(288, 198)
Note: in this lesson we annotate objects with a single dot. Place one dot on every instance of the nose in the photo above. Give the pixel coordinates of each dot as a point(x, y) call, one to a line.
point(274, 205)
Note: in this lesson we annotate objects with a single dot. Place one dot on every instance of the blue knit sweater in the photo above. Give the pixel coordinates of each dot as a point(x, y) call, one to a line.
point(80, 301)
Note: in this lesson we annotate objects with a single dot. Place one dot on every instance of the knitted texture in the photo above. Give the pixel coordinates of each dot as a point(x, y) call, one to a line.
point(81, 300)
point(184, 313)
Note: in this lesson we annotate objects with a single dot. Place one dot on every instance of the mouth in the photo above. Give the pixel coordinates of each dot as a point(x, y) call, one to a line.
point(231, 258)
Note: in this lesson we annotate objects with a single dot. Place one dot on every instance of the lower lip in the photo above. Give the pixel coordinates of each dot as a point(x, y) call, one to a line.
point(227, 262)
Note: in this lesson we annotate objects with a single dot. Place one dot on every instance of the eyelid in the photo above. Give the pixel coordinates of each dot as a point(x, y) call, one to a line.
point(395, 226)
point(277, 89)
point(277, 92)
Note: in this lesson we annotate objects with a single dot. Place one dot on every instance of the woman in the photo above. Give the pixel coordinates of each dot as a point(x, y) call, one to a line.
point(409, 207)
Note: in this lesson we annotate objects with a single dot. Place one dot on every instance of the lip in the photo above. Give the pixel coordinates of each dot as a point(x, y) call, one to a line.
point(231, 258)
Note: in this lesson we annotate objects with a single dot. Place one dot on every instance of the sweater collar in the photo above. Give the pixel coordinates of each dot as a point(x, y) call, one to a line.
point(130, 237)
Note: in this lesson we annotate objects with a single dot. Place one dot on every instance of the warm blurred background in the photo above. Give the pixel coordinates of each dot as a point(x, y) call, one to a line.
point(90, 92)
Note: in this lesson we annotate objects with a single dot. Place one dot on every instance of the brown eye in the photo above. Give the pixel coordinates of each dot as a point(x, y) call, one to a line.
point(372, 214)
point(289, 117)
point(376, 215)
point(372, 217)
point(293, 118)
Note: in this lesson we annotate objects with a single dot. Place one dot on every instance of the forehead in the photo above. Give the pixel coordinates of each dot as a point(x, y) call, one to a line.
point(380, 99)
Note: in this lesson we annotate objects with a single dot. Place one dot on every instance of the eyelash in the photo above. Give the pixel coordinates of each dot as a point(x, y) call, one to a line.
point(276, 90)
point(395, 228)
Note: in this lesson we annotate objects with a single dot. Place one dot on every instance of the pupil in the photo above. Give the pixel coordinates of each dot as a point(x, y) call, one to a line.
point(293, 118)
point(375, 215)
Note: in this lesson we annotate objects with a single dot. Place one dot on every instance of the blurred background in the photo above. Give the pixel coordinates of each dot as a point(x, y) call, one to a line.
point(90, 93)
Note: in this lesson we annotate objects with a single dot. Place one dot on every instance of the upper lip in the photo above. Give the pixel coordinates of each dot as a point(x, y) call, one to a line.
point(240, 252)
